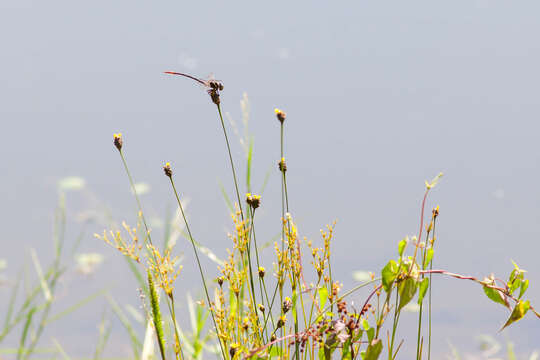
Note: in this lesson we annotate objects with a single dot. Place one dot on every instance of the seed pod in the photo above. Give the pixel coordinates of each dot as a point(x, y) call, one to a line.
point(117, 140)
point(167, 169)
point(280, 115)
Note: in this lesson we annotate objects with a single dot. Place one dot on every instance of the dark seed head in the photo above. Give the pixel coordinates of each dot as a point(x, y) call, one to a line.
point(117, 140)
point(167, 170)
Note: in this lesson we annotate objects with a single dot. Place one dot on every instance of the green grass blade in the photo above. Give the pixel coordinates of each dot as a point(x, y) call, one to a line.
point(138, 275)
point(76, 306)
point(61, 350)
point(39, 271)
point(104, 333)
point(266, 178)
point(148, 344)
point(27, 323)
point(12, 299)
point(249, 164)
point(167, 231)
point(226, 197)
point(136, 345)
point(156, 314)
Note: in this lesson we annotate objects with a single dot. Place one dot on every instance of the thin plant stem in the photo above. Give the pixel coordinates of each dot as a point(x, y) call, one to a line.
point(420, 312)
point(231, 161)
point(251, 215)
point(174, 324)
point(394, 328)
point(148, 236)
point(262, 285)
point(429, 295)
point(198, 262)
point(419, 231)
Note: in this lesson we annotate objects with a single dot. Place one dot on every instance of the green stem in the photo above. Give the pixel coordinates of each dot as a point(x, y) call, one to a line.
point(176, 327)
point(231, 161)
point(394, 328)
point(198, 264)
point(148, 236)
point(429, 295)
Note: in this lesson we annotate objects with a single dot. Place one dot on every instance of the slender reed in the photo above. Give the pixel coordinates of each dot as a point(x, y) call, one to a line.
point(118, 143)
point(168, 173)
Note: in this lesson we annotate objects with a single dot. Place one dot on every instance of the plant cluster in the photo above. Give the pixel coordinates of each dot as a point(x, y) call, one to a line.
point(296, 310)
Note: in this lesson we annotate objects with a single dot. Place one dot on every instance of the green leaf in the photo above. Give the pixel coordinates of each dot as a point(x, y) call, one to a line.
point(370, 331)
point(496, 296)
point(330, 345)
point(518, 313)
point(321, 353)
point(373, 350)
point(429, 257)
point(275, 351)
point(370, 334)
point(406, 290)
point(294, 299)
point(346, 352)
point(323, 296)
point(434, 181)
point(402, 245)
point(365, 324)
point(514, 284)
point(389, 274)
point(524, 287)
point(424, 285)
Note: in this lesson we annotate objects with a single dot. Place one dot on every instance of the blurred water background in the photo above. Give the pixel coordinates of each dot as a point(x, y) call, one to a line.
point(380, 96)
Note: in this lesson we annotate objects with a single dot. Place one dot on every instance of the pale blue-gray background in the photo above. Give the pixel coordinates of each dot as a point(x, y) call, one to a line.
point(380, 96)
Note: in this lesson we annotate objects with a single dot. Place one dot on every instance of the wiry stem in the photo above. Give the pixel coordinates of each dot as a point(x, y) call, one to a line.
point(147, 229)
point(198, 263)
point(429, 295)
point(231, 161)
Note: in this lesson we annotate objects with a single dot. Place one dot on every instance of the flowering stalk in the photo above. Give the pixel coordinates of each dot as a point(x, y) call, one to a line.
point(156, 315)
point(168, 172)
point(118, 143)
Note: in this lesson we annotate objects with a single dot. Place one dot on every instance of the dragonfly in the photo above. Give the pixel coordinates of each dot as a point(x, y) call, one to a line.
point(211, 84)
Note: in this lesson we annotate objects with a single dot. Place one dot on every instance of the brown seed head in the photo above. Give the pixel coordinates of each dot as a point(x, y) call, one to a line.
point(287, 305)
point(253, 200)
point(167, 169)
point(280, 115)
point(262, 271)
point(281, 322)
point(282, 165)
point(117, 140)
point(234, 347)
